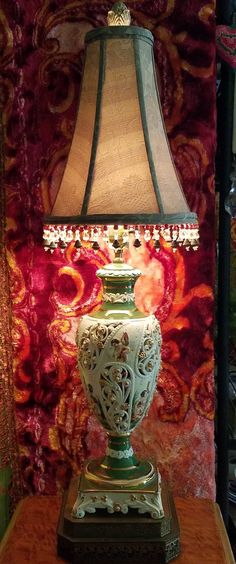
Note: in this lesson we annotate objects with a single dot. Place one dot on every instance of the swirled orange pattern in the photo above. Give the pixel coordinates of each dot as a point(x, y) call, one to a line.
point(42, 66)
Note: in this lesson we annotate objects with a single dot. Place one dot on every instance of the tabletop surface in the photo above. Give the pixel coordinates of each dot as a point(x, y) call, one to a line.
point(31, 535)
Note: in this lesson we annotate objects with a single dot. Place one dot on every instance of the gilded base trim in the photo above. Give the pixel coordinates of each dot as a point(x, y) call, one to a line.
point(119, 499)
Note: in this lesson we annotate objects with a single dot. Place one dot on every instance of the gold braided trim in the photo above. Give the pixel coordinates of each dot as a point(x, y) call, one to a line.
point(8, 442)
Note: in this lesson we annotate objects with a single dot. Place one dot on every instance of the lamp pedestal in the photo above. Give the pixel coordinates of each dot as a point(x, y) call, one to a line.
point(119, 496)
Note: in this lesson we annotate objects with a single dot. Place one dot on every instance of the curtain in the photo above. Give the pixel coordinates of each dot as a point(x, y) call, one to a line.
point(43, 48)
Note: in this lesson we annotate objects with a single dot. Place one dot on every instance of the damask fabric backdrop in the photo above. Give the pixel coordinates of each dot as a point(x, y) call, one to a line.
point(43, 44)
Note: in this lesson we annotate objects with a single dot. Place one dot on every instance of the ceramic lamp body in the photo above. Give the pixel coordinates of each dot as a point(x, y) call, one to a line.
point(119, 361)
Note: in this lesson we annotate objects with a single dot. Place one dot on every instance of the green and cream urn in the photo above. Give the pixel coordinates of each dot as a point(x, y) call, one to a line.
point(119, 360)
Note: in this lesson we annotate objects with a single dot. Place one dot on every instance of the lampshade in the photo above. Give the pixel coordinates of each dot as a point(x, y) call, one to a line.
point(120, 169)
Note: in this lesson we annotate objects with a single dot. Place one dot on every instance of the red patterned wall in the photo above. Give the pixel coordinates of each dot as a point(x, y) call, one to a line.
point(40, 76)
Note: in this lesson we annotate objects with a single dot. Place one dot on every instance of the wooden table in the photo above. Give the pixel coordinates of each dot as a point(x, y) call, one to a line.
point(31, 535)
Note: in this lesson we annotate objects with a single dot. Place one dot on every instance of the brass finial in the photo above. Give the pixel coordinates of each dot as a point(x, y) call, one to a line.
point(119, 15)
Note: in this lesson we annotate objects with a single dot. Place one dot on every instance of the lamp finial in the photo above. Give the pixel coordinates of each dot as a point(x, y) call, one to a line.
point(119, 15)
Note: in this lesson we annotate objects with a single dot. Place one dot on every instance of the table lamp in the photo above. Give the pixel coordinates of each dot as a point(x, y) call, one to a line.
point(119, 186)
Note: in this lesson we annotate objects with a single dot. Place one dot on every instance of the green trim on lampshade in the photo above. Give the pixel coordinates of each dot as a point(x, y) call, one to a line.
point(123, 219)
point(142, 106)
point(156, 86)
point(120, 32)
point(5, 480)
point(88, 188)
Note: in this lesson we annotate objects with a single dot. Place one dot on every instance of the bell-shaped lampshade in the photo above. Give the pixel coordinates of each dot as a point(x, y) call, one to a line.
point(120, 169)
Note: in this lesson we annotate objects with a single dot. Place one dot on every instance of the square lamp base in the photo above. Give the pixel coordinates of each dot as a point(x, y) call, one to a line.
point(102, 538)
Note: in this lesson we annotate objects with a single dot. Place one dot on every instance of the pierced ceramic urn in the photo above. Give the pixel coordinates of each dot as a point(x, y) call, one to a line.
point(119, 360)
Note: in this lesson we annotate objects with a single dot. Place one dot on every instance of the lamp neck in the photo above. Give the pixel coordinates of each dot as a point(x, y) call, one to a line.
point(118, 281)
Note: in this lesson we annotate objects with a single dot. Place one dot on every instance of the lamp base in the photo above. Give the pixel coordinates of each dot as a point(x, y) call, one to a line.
point(119, 496)
point(100, 538)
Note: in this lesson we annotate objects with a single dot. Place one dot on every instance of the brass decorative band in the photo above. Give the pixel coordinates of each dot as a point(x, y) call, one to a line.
point(106, 467)
point(99, 478)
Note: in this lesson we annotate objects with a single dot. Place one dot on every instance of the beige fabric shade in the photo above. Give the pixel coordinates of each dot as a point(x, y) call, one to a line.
point(120, 167)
